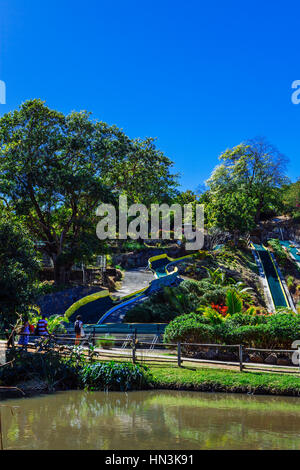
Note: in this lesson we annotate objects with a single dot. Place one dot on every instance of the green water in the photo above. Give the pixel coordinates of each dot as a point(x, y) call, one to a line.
point(151, 420)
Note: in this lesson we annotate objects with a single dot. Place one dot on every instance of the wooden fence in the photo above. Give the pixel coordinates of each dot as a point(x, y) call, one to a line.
point(137, 351)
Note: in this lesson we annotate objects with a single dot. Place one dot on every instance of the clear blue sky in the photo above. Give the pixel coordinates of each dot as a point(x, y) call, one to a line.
point(200, 76)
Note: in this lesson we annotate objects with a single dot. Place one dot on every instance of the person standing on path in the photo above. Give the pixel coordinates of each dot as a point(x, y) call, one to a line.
point(78, 328)
point(42, 327)
point(24, 334)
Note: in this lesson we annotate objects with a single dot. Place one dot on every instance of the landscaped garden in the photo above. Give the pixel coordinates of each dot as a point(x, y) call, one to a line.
point(51, 184)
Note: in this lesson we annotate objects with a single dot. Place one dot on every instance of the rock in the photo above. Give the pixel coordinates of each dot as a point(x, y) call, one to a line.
point(283, 361)
point(211, 354)
point(111, 284)
point(271, 359)
point(227, 356)
point(255, 357)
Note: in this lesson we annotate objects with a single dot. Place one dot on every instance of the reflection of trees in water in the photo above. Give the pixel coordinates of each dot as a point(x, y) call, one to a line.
point(83, 420)
point(151, 420)
point(211, 421)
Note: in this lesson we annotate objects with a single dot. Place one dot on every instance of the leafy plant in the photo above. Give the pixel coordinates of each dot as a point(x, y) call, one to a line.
point(234, 302)
point(106, 343)
point(214, 317)
point(114, 376)
point(55, 322)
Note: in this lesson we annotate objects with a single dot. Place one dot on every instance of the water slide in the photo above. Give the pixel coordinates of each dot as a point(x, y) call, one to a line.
point(101, 308)
point(272, 276)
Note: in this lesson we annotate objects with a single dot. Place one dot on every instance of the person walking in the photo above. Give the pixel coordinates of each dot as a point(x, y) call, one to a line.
point(78, 328)
point(24, 333)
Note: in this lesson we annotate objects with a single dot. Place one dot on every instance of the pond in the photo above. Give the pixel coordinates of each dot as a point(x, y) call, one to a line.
point(151, 420)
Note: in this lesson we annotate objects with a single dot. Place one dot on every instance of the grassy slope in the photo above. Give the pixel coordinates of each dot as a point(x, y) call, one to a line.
point(216, 380)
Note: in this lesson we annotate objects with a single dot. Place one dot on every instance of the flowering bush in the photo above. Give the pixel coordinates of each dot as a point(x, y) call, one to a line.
point(220, 308)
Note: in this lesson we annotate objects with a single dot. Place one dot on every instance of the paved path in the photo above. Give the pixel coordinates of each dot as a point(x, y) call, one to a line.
point(135, 280)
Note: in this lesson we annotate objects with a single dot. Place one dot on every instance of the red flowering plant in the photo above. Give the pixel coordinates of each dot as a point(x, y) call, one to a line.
point(220, 308)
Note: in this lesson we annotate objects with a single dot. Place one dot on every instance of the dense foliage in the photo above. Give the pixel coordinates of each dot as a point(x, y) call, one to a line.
point(246, 184)
point(279, 252)
point(291, 198)
point(165, 305)
point(55, 170)
point(267, 331)
point(18, 271)
point(114, 376)
point(48, 367)
point(191, 295)
point(73, 371)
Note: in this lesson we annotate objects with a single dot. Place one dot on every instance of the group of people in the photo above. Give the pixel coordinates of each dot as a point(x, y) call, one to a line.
point(41, 329)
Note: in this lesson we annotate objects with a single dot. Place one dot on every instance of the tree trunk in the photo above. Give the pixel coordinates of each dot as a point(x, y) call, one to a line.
point(257, 215)
point(59, 274)
point(258, 212)
point(236, 236)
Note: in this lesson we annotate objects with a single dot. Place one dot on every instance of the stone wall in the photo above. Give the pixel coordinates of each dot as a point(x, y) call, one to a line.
point(139, 259)
point(58, 302)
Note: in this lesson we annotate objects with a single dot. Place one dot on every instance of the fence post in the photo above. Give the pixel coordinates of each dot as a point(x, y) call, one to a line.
point(179, 354)
point(241, 357)
point(299, 357)
point(133, 352)
point(94, 337)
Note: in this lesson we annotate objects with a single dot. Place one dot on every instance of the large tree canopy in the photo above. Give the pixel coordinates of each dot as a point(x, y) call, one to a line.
point(247, 180)
point(18, 270)
point(291, 198)
point(233, 213)
point(56, 169)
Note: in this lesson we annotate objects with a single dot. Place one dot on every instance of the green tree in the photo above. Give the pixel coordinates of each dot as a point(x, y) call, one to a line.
point(234, 212)
point(291, 198)
point(18, 270)
point(55, 170)
point(254, 171)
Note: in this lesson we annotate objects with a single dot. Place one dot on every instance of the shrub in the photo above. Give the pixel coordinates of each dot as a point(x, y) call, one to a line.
point(290, 283)
point(279, 252)
point(283, 329)
point(55, 322)
point(114, 376)
point(49, 367)
point(106, 343)
point(132, 245)
point(267, 331)
point(191, 328)
point(200, 255)
point(167, 304)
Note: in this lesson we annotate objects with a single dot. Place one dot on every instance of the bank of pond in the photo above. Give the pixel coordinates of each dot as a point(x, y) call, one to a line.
point(49, 372)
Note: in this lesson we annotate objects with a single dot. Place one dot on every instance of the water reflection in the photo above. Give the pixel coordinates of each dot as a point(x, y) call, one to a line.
point(152, 420)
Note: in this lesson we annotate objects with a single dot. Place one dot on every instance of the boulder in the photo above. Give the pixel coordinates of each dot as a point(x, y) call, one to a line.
point(211, 354)
point(255, 357)
point(283, 361)
point(271, 359)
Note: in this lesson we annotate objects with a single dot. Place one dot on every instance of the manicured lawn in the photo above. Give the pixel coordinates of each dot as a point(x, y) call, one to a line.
point(207, 379)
